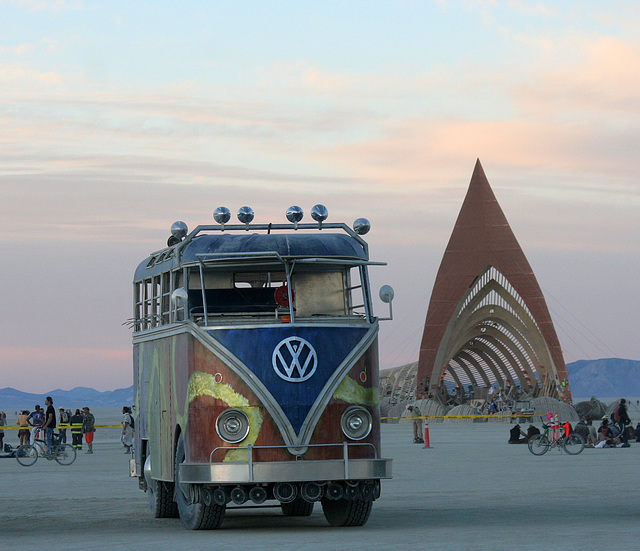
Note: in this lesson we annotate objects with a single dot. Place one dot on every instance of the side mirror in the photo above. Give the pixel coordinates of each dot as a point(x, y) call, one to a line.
point(179, 299)
point(386, 295)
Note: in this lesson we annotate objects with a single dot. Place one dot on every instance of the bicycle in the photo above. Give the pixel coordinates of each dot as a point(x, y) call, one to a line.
point(28, 454)
point(554, 436)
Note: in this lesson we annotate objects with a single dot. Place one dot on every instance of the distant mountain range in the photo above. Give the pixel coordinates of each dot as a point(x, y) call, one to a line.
point(608, 377)
point(75, 398)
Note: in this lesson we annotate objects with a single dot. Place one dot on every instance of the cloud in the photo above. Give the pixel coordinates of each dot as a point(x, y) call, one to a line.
point(49, 5)
point(538, 9)
point(602, 86)
point(559, 117)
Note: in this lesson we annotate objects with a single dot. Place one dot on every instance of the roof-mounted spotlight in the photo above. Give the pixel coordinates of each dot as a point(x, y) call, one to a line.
point(295, 214)
point(319, 213)
point(222, 215)
point(361, 226)
point(179, 231)
point(245, 215)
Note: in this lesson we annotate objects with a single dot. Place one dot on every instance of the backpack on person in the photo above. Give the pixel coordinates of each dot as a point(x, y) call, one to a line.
point(616, 415)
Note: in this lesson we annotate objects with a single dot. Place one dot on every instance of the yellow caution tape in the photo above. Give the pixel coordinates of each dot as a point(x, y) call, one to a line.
point(512, 416)
point(58, 427)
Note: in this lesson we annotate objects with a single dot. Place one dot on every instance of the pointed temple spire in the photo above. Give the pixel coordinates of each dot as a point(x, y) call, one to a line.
point(487, 320)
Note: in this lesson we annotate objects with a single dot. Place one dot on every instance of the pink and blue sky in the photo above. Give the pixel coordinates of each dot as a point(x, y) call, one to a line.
point(118, 118)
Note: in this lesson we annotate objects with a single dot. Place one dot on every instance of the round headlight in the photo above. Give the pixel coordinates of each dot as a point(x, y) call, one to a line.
point(356, 423)
point(232, 426)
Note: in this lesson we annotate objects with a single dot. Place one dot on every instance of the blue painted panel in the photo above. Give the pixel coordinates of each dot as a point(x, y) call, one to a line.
point(294, 363)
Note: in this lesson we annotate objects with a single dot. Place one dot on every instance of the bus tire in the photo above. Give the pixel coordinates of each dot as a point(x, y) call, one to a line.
point(297, 508)
point(194, 515)
point(345, 512)
point(161, 499)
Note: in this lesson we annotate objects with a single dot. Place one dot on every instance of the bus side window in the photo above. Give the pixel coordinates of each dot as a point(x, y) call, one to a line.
point(240, 293)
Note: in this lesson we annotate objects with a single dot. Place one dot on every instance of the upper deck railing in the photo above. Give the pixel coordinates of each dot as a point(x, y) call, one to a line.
point(234, 247)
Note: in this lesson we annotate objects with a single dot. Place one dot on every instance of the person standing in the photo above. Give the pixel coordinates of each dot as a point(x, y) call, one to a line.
point(127, 429)
point(64, 423)
point(49, 424)
point(88, 428)
point(36, 420)
point(621, 417)
point(3, 422)
point(76, 429)
point(23, 432)
point(416, 416)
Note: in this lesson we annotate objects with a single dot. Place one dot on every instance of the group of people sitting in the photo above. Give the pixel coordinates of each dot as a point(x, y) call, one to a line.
point(603, 437)
point(516, 432)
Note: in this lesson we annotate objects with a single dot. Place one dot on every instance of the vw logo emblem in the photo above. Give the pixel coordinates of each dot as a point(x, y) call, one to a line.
point(294, 360)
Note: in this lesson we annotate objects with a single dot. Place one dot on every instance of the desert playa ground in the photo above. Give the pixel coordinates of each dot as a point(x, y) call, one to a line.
point(470, 490)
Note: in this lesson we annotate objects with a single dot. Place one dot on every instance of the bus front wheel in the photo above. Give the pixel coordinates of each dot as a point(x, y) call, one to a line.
point(195, 515)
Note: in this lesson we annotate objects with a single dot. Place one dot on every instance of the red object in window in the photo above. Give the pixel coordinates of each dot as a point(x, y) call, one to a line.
point(281, 295)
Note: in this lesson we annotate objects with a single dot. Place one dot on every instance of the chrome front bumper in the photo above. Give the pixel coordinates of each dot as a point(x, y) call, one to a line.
point(237, 472)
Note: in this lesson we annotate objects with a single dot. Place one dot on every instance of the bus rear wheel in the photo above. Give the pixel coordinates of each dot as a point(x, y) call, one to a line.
point(161, 499)
point(195, 515)
point(347, 512)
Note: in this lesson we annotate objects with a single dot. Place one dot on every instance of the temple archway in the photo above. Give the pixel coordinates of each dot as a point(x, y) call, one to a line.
point(488, 324)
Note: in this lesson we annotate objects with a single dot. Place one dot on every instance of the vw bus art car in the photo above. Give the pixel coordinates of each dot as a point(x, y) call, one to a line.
point(255, 360)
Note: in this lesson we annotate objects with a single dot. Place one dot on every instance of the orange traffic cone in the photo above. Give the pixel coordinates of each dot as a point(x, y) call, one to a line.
point(427, 444)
